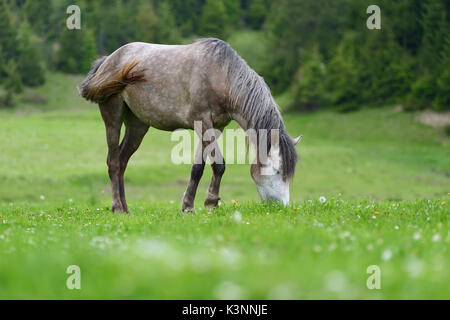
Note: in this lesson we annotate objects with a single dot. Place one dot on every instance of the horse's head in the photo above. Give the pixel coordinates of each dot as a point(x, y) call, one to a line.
point(269, 178)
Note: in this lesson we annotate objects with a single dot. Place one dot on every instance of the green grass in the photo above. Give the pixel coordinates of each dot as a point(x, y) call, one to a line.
point(59, 91)
point(386, 178)
point(310, 250)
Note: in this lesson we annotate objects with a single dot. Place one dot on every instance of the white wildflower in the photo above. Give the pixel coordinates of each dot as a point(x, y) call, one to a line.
point(386, 255)
point(237, 217)
point(414, 267)
point(229, 291)
point(436, 237)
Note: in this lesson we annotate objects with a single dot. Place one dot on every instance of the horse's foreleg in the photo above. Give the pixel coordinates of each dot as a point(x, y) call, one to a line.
point(112, 114)
point(218, 168)
point(134, 133)
point(213, 191)
point(196, 175)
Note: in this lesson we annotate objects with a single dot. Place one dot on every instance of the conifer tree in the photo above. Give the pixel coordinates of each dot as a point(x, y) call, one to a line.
point(257, 13)
point(71, 51)
point(8, 34)
point(89, 50)
point(166, 28)
point(186, 14)
point(434, 28)
point(442, 100)
point(233, 9)
point(29, 62)
point(343, 80)
point(38, 13)
point(147, 20)
point(309, 83)
point(425, 90)
point(12, 82)
point(292, 27)
point(214, 20)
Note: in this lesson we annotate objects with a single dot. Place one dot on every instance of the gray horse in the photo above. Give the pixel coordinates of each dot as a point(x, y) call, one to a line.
point(169, 87)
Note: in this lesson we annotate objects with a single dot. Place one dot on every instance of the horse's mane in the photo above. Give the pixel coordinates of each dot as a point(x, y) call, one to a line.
point(250, 96)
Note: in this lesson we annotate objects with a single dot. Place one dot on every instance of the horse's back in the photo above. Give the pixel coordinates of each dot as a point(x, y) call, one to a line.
point(147, 53)
point(176, 90)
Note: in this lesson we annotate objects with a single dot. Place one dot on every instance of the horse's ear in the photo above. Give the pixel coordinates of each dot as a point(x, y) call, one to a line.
point(297, 140)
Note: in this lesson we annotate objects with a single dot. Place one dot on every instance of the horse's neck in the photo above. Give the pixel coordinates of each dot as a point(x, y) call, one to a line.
point(247, 122)
point(254, 133)
point(241, 120)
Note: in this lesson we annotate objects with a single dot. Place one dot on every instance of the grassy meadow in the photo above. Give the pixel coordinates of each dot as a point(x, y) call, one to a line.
point(385, 178)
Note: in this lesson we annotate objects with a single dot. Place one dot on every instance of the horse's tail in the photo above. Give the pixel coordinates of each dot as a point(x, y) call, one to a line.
point(100, 85)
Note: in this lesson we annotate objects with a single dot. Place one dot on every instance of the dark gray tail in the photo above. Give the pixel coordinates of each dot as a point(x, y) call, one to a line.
point(82, 87)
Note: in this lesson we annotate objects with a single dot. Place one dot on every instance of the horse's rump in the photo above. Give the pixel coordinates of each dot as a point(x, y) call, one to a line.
point(100, 85)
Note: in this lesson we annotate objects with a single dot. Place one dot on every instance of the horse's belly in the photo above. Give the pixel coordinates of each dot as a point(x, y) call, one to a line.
point(159, 112)
point(165, 110)
point(168, 119)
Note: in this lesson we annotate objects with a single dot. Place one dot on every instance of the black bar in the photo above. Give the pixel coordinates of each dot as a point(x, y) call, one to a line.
point(228, 309)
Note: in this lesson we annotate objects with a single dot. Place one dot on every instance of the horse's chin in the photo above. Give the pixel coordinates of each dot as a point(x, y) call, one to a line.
point(281, 201)
point(265, 197)
point(285, 202)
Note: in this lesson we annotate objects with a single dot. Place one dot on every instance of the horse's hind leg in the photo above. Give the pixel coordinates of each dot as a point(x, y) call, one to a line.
point(112, 112)
point(135, 131)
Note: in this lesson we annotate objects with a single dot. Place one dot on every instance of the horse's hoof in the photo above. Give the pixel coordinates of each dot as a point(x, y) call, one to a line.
point(212, 203)
point(118, 208)
point(187, 208)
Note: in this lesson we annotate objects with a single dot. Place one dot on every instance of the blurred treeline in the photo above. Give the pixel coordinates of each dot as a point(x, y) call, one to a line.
point(319, 51)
